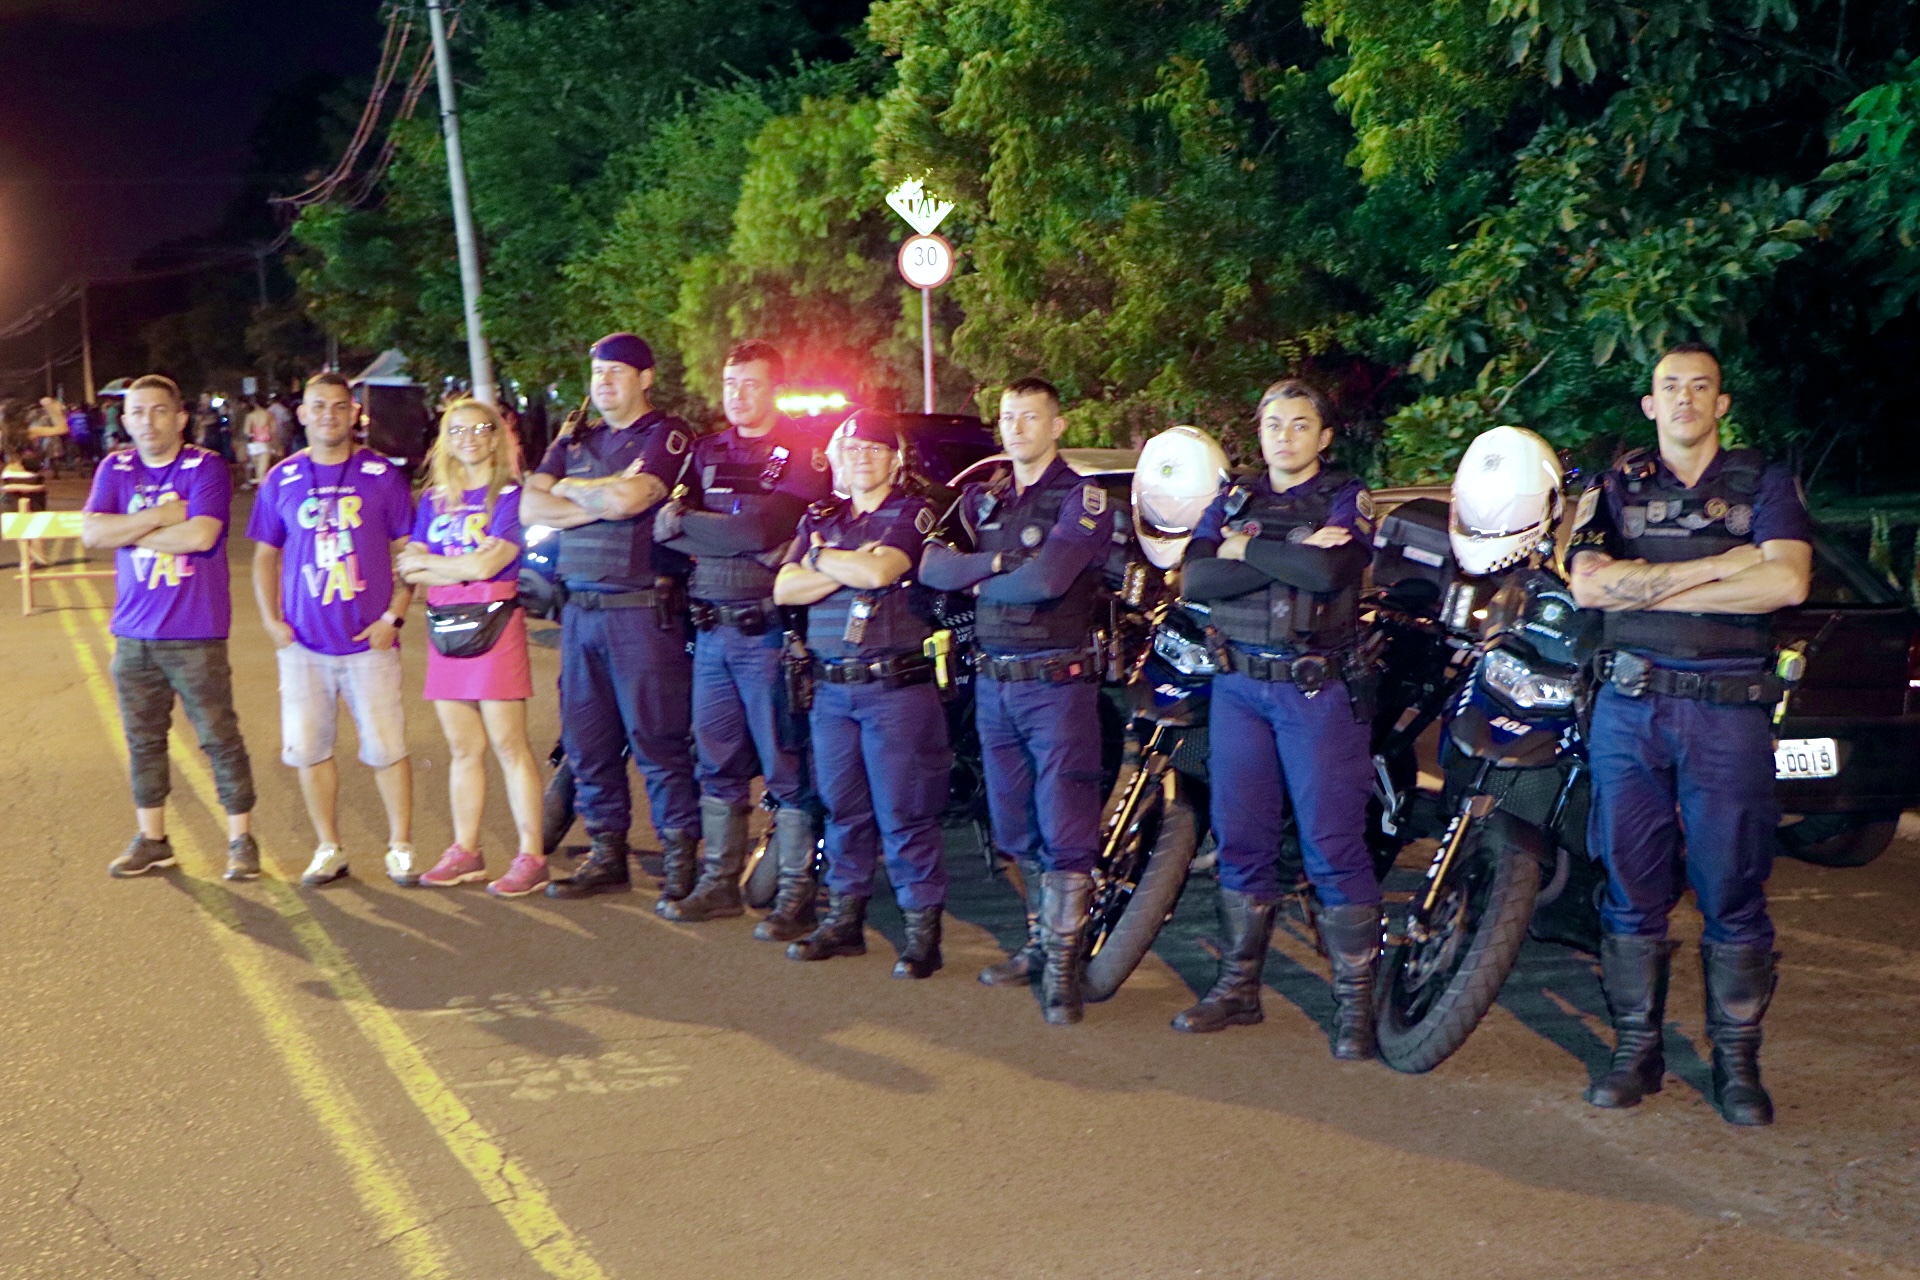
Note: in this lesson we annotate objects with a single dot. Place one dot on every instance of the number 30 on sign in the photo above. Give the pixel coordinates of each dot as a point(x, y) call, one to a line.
point(926, 262)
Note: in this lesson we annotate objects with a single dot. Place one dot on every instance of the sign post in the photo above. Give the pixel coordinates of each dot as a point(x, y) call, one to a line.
point(925, 262)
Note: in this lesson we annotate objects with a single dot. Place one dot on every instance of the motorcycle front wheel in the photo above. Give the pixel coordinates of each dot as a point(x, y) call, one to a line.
point(1432, 994)
point(1143, 886)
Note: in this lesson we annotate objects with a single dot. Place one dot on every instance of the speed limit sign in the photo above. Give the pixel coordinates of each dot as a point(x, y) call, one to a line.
point(926, 262)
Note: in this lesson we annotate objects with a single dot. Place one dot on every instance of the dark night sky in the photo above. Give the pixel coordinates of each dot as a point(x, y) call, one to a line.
point(125, 122)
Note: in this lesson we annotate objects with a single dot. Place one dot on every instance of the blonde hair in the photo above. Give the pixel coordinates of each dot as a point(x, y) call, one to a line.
point(445, 472)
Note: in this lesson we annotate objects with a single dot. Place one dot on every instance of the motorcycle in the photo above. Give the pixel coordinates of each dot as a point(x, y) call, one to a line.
point(1516, 791)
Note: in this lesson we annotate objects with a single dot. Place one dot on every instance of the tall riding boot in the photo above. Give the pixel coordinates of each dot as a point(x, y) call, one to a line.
point(1064, 899)
point(679, 861)
point(792, 851)
point(724, 828)
point(1740, 983)
point(1352, 935)
point(842, 933)
point(1633, 974)
point(1018, 969)
point(604, 871)
point(920, 958)
point(1234, 998)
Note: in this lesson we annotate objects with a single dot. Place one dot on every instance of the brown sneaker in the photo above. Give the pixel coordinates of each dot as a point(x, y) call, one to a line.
point(243, 859)
point(142, 856)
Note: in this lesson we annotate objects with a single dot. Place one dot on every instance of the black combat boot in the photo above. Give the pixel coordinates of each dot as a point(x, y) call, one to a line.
point(1234, 998)
point(842, 933)
point(1064, 899)
point(1740, 983)
point(792, 851)
point(920, 958)
point(1352, 935)
point(724, 828)
point(679, 863)
point(1019, 968)
point(604, 871)
point(1633, 974)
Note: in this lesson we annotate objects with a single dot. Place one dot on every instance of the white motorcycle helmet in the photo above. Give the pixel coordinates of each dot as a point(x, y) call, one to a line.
point(1178, 475)
point(1506, 496)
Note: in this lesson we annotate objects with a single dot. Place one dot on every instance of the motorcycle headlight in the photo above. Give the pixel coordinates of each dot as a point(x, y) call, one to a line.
point(1185, 656)
point(1521, 685)
point(537, 534)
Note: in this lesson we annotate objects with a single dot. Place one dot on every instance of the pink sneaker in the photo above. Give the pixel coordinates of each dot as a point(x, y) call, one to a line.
point(456, 866)
point(528, 873)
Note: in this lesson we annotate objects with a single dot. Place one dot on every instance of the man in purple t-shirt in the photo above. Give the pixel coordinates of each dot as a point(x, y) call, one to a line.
point(163, 507)
point(328, 523)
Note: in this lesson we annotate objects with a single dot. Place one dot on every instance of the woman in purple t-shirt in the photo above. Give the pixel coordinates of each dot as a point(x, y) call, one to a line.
point(466, 550)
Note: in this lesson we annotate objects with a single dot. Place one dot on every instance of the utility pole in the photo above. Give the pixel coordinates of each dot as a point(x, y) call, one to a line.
point(86, 346)
point(479, 359)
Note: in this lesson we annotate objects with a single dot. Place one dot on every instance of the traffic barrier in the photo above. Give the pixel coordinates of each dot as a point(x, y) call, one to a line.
point(30, 528)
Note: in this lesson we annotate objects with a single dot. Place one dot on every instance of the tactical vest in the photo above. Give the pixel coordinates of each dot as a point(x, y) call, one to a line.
point(1662, 522)
point(898, 621)
point(740, 489)
point(615, 554)
point(1278, 616)
point(1005, 523)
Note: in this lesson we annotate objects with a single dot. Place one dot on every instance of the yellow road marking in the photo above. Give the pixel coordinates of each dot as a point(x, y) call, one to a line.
point(379, 1183)
point(514, 1191)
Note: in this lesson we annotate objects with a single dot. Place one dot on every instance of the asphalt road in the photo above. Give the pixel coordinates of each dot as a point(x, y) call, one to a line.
point(203, 1079)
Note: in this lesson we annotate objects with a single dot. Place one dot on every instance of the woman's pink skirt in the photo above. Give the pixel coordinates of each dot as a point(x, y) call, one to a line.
point(501, 674)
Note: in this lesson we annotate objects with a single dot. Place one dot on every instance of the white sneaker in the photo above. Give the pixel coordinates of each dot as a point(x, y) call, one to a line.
point(329, 864)
point(403, 867)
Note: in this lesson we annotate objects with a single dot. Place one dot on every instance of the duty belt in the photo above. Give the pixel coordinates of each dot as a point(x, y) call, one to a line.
point(1064, 669)
point(1310, 671)
point(1636, 677)
point(895, 673)
point(753, 618)
point(644, 598)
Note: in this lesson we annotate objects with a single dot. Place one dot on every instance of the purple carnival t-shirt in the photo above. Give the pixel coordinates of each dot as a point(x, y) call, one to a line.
point(335, 524)
point(164, 595)
point(461, 528)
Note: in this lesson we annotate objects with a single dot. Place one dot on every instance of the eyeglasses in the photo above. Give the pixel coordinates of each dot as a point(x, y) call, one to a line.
point(459, 429)
point(866, 449)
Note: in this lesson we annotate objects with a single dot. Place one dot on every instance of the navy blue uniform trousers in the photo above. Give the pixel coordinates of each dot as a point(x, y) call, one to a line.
point(624, 679)
point(1040, 751)
point(882, 762)
point(739, 701)
point(1268, 743)
point(1669, 772)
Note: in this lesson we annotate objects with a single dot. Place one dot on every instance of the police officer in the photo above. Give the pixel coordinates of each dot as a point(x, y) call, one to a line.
point(879, 731)
point(749, 486)
point(1042, 535)
point(625, 674)
point(1689, 549)
point(1277, 560)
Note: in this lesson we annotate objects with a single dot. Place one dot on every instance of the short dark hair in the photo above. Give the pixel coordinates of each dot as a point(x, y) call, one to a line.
point(157, 382)
point(1690, 349)
point(328, 378)
point(1300, 389)
point(1033, 385)
point(754, 349)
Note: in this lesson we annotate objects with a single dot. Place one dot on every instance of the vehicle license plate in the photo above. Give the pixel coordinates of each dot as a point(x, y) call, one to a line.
point(1806, 758)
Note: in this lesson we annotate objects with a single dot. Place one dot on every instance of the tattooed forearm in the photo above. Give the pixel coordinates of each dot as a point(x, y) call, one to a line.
point(1641, 586)
point(594, 499)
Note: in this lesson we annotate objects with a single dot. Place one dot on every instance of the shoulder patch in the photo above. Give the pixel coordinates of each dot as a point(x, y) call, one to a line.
point(1093, 498)
point(1589, 506)
point(676, 442)
point(506, 489)
point(373, 468)
point(290, 475)
point(192, 461)
point(1363, 503)
point(923, 520)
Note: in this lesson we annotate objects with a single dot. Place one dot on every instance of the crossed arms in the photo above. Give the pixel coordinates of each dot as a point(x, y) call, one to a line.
point(1750, 579)
point(162, 527)
point(569, 503)
point(864, 568)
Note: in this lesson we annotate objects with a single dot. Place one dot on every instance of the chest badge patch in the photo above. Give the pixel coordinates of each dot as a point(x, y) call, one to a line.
point(1031, 536)
point(1634, 521)
point(1717, 508)
point(1299, 533)
point(1656, 510)
point(1740, 520)
point(1250, 527)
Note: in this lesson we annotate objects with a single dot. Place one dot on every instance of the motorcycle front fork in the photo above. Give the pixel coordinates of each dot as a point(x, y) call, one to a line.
point(1476, 806)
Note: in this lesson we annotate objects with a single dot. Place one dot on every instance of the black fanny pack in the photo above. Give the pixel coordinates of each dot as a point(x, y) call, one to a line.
point(468, 630)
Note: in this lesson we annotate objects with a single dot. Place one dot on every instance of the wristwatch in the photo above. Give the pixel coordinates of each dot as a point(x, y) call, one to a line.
point(392, 620)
